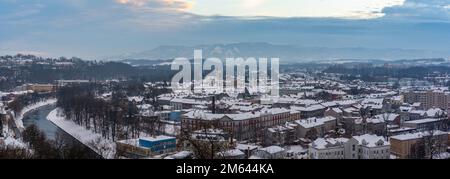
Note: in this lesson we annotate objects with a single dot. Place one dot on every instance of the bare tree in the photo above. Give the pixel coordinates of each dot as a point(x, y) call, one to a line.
point(204, 143)
point(433, 142)
point(100, 147)
point(385, 120)
point(14, 152)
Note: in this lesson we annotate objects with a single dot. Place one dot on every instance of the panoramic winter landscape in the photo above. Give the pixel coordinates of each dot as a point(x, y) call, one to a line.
point(225, 79)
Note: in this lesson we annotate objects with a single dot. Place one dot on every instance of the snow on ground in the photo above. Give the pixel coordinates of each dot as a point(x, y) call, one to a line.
point(104, 147)
point(30, 108)
point(16, 143)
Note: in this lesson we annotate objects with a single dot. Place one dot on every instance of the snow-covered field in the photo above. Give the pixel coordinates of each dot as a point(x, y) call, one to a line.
point(104, 147)
point(30, 108)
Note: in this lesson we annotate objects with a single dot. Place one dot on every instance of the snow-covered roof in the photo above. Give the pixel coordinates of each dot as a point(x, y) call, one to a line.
point(350, 110)
point(329, 104)
point(231, 153)
point(307, 87)
point(376, 103)
point(322, 143)
point(200, 114)
point(313, 122)
point(371, 140)
point(309, 108)
point(272, 149)
point(417, 135)
point(17, 92)
point(165, 98)
point(245, 147)
point(254, 157)
point(285, 99)
point(386, 117)
point(336, 92)
point(144, 106)
point(136, 98)
point(397, 98)
point(432, 112)
point(337, 110)
point(244, 108)
point(181, 155)
point(402, 129)
point(419, 112)
point(306, 102)
point(346, 102)
point(280, 128)
point(188, 101)
point(421, 121)
point(157, 138)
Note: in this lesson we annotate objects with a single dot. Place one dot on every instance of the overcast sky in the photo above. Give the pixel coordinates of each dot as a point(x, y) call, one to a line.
point(97, 28)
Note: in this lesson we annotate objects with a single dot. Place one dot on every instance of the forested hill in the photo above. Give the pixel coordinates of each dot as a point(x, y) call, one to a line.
point(20, 69)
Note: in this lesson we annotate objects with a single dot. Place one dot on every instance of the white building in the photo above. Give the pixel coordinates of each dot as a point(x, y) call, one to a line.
point(358, 147)
point(372, 147)
point(328, 148)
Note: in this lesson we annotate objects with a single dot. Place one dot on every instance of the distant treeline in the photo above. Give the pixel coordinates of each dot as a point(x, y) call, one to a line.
point(418, 72)
point(84, 70)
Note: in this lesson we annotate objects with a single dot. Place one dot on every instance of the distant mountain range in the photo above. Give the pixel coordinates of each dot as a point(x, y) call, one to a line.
point(287, 53)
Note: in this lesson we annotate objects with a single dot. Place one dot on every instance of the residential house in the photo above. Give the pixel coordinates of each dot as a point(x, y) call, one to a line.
point(315, 127)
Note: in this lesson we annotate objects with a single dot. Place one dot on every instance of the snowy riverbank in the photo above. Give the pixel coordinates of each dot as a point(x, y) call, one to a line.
point(18, 119)
point(102, 146)
point(11, 142)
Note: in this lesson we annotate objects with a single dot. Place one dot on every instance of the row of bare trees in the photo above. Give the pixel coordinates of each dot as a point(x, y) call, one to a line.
point(115, 118)
point(39, 147)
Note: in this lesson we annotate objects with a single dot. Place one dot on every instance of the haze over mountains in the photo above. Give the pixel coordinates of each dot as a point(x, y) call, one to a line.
point(287, 53)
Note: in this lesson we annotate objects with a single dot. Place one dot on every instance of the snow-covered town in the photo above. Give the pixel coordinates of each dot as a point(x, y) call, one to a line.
point(318, 115)
point(258, 81)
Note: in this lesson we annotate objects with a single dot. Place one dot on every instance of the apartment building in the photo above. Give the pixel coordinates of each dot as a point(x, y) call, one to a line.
point(243, 126)
point(332, 148)
point(372, 147)
point(428, 99)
